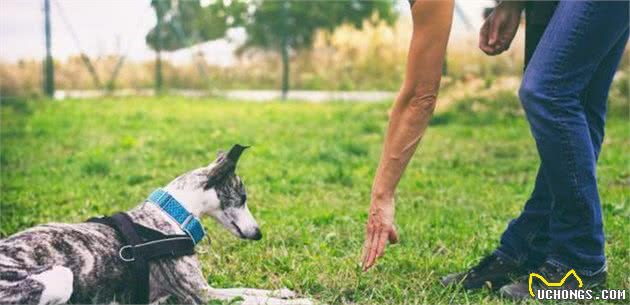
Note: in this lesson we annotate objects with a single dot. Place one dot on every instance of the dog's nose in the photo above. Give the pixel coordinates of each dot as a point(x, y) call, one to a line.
point(257, 234)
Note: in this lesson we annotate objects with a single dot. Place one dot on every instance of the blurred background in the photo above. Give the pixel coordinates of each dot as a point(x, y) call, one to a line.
point(66, 48)
point(221, 47)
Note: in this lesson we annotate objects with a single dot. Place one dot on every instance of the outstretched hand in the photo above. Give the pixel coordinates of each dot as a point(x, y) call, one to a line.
point(380, 229)
point(499, 29)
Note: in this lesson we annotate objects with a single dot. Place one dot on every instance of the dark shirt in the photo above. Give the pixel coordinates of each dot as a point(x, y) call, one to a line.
point(537, 16)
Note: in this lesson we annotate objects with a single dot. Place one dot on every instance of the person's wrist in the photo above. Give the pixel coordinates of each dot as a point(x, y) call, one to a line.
point(382, 197)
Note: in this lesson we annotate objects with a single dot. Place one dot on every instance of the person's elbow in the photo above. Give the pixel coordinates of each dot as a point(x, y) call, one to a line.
point(418, 100)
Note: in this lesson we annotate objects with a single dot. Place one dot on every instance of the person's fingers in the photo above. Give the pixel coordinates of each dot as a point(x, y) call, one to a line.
point(488, 47)
point(501, 46)
point(483, 32)
point(506, 40)
point(369, 244)
point(374, 249)
point(493, 32)
point(366, 245)
point(483, 36)
point(382, 243)
point(365, 265)
point(368, 238)
point(369, 262)
point(393, 235)
point(499, 50)
point(489, 51)
point(493, 50)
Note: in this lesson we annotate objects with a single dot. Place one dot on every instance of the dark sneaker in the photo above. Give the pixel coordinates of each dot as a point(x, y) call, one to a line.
point(493, 272)
point(552, 273)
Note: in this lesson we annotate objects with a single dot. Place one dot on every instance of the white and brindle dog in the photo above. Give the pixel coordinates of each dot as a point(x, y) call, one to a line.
point(79, 263)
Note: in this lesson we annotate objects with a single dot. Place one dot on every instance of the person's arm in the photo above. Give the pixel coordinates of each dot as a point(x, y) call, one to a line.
point(409, 118)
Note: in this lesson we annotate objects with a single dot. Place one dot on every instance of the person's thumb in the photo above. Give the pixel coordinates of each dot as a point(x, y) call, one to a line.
point(393, 236)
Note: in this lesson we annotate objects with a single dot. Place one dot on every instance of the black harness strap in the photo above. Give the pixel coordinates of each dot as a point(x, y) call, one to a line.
point(141, 245)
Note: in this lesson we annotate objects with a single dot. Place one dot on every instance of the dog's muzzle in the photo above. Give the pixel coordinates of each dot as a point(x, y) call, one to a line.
point(257, 235)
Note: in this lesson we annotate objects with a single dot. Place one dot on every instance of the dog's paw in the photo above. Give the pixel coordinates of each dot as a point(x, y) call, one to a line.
point(283, 293)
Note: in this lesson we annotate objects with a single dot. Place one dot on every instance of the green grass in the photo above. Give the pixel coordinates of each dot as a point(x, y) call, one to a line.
point(308, 177)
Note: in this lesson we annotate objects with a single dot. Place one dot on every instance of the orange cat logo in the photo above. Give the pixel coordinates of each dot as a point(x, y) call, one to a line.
point(548, 284)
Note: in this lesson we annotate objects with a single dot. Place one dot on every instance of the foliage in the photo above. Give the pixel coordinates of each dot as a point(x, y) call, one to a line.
point(267, 28)
point(619, 95)
point(370, 58)
point(189, 23)
point(266, 22)
point(308, 177)
point(269, 24)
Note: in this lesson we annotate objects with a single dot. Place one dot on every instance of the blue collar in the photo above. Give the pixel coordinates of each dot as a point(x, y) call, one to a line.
point(187, 221)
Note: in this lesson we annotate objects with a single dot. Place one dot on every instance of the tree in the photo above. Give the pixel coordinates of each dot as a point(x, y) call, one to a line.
point(278, 25)
point(189, 23)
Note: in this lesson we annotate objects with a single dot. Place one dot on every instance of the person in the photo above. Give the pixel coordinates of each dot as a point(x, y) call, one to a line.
point(409, 118)
point(564, 93)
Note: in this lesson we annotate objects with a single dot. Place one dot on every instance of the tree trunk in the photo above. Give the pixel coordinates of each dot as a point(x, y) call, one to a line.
point(49, 72)
point(158, 48)
point(285, 50)
point(285, 72)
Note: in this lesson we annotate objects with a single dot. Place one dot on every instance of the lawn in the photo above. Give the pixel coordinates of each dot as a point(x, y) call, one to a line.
point(308, 176)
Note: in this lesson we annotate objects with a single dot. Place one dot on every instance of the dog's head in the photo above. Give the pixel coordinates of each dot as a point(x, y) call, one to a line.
point(216, 191)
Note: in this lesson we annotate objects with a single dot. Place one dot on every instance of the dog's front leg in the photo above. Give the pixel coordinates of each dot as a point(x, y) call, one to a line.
point(191, 287)
point(252, 296)
point(279, 293)
point(180, 281)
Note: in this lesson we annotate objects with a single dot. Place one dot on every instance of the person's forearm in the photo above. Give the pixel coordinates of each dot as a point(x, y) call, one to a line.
point(416, 101)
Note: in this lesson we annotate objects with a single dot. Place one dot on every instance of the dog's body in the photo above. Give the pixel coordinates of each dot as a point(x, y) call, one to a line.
point(89, 251)
point(58, 263)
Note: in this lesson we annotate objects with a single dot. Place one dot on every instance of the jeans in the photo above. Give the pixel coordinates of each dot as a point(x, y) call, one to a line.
point(564, 93)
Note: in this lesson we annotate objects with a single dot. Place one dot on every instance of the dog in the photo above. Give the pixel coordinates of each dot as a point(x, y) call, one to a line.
point(80, 263)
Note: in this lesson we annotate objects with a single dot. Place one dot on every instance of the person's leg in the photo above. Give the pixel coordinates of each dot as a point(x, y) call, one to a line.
point(595, 97)
point(524, 242)
point(564, 94)
point(526, 237)
point(578, 39)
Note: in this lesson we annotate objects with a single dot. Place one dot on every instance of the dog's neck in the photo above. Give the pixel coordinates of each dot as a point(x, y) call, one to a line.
point(189, 200)
point(151, 215)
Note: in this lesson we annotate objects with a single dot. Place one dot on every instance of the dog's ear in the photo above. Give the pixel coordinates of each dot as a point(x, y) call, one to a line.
point(225, 165)
point(235, 152)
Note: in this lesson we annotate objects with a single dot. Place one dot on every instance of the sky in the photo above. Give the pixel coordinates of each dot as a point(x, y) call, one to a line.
point(104, 27)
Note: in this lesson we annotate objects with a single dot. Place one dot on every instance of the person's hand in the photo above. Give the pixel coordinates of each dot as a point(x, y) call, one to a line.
point(498, 31)
point(380, 229)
